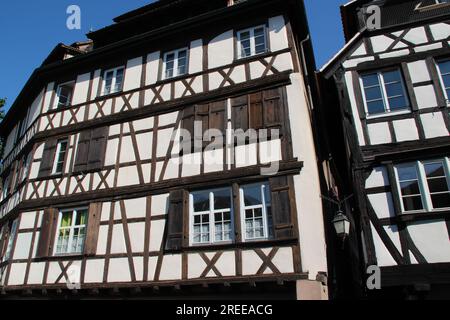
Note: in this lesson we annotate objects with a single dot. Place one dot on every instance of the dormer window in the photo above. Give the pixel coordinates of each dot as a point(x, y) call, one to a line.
point(113, 80)
point(64, 94)
point(175, 63)
point(252, 41)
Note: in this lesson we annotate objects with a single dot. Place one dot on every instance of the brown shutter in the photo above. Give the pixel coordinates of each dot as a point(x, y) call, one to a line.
point(281, 208)
point(239, 113)
point(81, 160)
point(48, 233)
point(202, 115)
point(95, 211)
point(272, 105)
point(217, 115)
point(188, 125)
point(177, 207)
point(97, 148)
point(256, 110)
point(48, 158)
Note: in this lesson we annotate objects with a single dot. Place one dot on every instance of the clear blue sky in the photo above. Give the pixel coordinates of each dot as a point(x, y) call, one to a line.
point(29, 30)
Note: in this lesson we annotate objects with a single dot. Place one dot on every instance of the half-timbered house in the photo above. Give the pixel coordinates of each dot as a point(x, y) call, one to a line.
point(110, 188)
point(391, 93)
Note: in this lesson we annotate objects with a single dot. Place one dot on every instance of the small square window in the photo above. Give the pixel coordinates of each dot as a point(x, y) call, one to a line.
point(64, 94)
point(252, 42)
point(113, 80)
point(71, 234)
point(175, 63)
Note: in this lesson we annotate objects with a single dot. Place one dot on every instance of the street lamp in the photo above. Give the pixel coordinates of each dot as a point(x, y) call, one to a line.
point(341, 225)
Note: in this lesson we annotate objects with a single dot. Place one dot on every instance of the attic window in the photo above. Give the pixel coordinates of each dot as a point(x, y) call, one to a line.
point(431, 4)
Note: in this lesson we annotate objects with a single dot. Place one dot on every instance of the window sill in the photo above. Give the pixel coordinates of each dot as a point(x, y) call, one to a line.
point(388, 114)
point(252, 57)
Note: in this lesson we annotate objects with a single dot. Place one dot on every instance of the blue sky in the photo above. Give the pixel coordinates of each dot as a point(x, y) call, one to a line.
point(29, 30)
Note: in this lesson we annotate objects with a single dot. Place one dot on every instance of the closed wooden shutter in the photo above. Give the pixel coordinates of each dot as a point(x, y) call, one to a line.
point(202, 115)
point(256, 110)
point(175, 221)
point(188, 124)
point(48, 158)
point(82, 157)
point(281, 208)
point(217, 116)
point(48, 233)
point(272, 106)
point(90, 247)
point(97, 148)
point(239, 112)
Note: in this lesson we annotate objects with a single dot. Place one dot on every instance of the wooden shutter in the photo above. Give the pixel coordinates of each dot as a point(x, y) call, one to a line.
point(97, 148)
point(202, 115)
point(175, 220)
point(239, 112)
point(48, 158)
point(256, 110)
point(81, 160)
point(48, 233)
point(217, 115)
point(188, 125)
point(281, 208)
point(95, 211)
point(272, 106)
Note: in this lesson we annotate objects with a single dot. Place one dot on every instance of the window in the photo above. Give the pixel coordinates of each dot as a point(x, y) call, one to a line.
point(64, 94)
point(71, 231)
point(60, 157)
point(12, 236)
point(211, 216)
point(444, 71)
point(113, 80)
point(256, 212)
point(384, 92)
point(424, 185)
point(5, 190)
point(175, 63)
point(252, 42)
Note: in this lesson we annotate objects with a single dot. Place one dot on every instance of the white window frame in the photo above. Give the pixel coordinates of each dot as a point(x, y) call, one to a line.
point(58, 154)
point(252, 41)
point(384, 95)
point(423, 184)
point(58, 92)
point(212, 211)
point(113, 82)
point(10, 243)
point(264, 212)
point(71, 232)
point(441, 80)
point(176, 54)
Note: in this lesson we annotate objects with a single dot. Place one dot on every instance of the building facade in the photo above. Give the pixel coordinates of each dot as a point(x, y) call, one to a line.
point(391, 93)
point(113, 186)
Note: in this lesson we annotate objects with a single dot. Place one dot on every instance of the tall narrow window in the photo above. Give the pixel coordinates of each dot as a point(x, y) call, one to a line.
point(60, 156)
point(5, 190)
point(384, 92)
point(175, 63)
point(444, 71)
point(424, 185)
point(113, 80)
point(211, 216)
point(71, 231)
point(256, 212)
point(11, 237)
point(252, 41)
point(64, 94)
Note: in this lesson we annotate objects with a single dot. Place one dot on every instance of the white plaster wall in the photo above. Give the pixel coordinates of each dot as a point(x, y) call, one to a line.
point(378, 178)
point(35, 108)
point(431, 239)
point(221, 50)
point(382, 204)
point(36, 274)
point(425, 96)
point(384, 258)
point(284, 260)
point(94, 271)
point(379, 133)
point(159, 204)
point(152, 67)
point(418, 71)
point(380, 43)
point(278, 33)
point(440, 31)
point(196, 56)
point(48, 97)
point(17, 274)
point(405, 130)
point(434, 125)
point(95, 84)
point(23, 244)
point(356, 120)
point(171, 267)
point(81, 88)
point(307, 187)
point(133, 74)
point(416, 35)
point(119, 270)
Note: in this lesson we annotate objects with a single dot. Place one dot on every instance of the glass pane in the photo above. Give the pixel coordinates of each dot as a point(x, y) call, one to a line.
point(444, 66)
point(81, 218)
point(373, 93)
point(245, 48)
point(441, 200)
point(267, 194)
point(66, 219)
point(437, 184)
point(222, 199)
point(391, 76)
point(434, 169)
point(252, 195)
point(108, 81)
point(375, 107)
point(410, 188)
point(201, 201)
point(370, 80)
point(397, 103)
point(119, 80)
point(412, 203)
point(394, 89)
point(408, 172)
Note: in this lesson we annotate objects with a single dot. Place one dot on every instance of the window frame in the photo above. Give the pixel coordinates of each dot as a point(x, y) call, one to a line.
point(176, 53)
point(57, 159)
point(212, 222)
point(71, 232)
point(12, 233)
point(56, 105)
point(5, 190)
point(252, 42)
point(423, 184)
point(384, 96)
point(441, 78)
point(113, 81)
point(265, 216)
